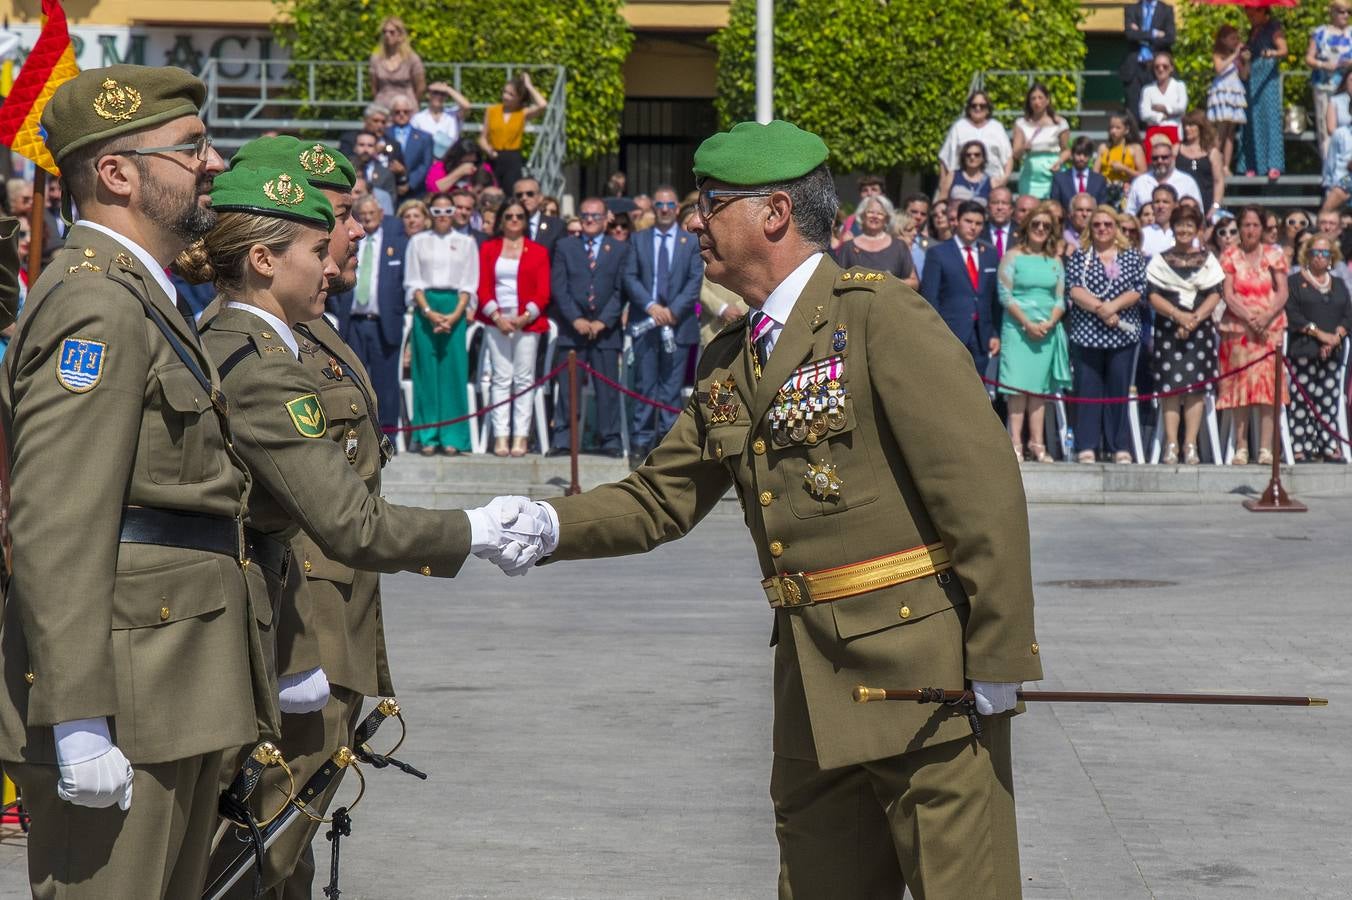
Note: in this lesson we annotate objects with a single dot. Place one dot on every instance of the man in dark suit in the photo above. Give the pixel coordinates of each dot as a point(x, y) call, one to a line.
point(415, 145)
point(544, 230)
point(587, 278)
point(369, 168)
point(662, 284)
point(1149, 30)
point(959, 282)
point(1079, 178)
point(371, 316)
point(462, 213)
point(1000, 230)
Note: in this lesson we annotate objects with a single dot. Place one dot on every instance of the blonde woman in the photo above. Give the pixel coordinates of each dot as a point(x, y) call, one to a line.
point(395, 70)
point(415, 216)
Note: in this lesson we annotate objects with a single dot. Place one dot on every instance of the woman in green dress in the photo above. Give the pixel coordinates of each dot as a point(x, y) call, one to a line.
point(1041, 143)
point(441, 274)
point(1034, 353)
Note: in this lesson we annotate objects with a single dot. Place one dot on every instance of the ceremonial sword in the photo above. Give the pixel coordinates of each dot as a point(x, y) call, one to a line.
point(941, 695)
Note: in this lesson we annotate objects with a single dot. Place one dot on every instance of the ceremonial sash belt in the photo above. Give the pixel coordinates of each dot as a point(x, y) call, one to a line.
point(826, 585)
point(196, 531)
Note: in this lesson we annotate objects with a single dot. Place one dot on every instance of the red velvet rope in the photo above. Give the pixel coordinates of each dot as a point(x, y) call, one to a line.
point(1309, 402)
point(1108, 401)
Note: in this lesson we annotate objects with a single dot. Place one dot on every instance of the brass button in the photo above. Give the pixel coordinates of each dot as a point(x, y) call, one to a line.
point(812, 437)
point(29, 677)
point(904, 612)
point(308, 566)
point(244, 563)
point(1035, 648)
point(265, 334)
point(164, 613)
point(759, 447)
point(718, 452)
point(90, 253)
point(766, 498)
point(776, 549)
point(354, 408)
point(426, 570)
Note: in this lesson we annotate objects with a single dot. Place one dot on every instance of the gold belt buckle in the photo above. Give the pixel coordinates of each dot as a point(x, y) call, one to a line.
point(792, 590)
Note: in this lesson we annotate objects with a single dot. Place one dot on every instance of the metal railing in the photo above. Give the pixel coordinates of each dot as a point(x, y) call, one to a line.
point(286, 97)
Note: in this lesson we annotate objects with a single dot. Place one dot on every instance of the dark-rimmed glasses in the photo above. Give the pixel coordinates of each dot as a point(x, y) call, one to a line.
point(199, 148)
point(976, 106)
point(592, 216)
point(705, 204)
point(1039, 225)
point(521, 195)
point(512, 217)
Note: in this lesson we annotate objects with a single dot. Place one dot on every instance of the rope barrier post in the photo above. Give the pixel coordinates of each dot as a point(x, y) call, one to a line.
point(1275, 498)
point(574, 439)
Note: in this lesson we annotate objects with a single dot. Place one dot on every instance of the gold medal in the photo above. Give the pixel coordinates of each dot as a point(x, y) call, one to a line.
point(822, 481)
point(818, 427)
point(798, 431)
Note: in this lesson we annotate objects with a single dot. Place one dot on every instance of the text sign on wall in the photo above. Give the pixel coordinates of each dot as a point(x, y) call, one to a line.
point(188, 48)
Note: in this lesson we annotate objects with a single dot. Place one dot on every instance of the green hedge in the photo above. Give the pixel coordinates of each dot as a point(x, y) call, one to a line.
point(588, 37)
point(882, 80)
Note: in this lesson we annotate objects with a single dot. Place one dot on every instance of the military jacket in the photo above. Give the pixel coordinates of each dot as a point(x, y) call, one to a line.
point(918, 457)
point(105, 414)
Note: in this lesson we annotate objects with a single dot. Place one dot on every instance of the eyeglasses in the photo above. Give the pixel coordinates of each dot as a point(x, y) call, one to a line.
point(705, 203)
point(1325, 253)
point(1167, 157)
point(978, 106)
point(401, 112)
point(664, 204)
point(974, 155)
point(1227, 232)
point(510, 217)
point(440, 212)
point(620, 225)
point(521, 195)
point(1163, 68)
point(592, 217)
point(1127, 229)
point(1039, 225)
point(199, 148)
point(1103, 225)
point(1294, 222)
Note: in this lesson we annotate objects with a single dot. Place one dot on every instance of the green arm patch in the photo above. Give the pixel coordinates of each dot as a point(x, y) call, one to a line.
point(308, 416)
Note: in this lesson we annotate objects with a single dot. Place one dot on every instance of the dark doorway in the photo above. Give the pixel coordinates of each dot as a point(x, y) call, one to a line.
point(657, 145)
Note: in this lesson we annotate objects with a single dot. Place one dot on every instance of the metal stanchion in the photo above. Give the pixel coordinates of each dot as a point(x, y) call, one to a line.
point(574, 440)
point(1275, 498)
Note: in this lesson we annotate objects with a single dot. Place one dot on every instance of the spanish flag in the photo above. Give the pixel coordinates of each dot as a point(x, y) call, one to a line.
point(50, 63)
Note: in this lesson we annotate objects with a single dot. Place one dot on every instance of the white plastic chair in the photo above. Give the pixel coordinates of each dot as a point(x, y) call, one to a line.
point(1280, 427)
point(1341, 421)
point(403, 438)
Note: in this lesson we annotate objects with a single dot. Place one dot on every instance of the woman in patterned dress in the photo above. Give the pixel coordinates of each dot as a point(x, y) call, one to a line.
point(1252, 327)
point(1320, 317)
point(1226, 99)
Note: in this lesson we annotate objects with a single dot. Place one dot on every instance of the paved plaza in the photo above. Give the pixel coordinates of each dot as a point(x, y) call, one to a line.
point(601, 729)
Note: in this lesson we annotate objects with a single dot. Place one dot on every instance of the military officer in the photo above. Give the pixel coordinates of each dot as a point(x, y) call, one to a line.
point(132, 663)
point(889, 521)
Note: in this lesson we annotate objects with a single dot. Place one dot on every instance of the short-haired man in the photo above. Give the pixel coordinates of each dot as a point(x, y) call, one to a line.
point(960, 282)
point(917, 206)
point(1159, 235)
point(913, 508)
point(544, 230)
point(117, 732)
point(1024, 204)
point(462, 215)
point(999, 231)
point(377, 175)
point(1162, 171)
point(415, 146)
point(1079, 178)
point(1082, 207)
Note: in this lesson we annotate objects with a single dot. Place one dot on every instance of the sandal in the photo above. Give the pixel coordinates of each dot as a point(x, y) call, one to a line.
point(1190, 456)
point(500, 446)
point(519, 447)
point(1039, 452)
point(1123, 458)
point(427, 450)
point(450, 451)
point(1264, 456)
point(1241, 457)
point(1170, 455)
point(1018, 452)
point(1086, 456)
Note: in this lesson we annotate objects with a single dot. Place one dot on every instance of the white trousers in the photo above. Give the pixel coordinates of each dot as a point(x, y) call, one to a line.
point(512, 357)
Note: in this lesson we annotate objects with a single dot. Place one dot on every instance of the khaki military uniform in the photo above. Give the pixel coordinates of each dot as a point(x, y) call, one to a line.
point(288, 419)
point(162, 640)
point(864, 794)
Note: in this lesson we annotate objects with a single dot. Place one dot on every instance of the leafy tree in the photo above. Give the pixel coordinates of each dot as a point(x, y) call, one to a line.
point(588, 37)
point(882, 80)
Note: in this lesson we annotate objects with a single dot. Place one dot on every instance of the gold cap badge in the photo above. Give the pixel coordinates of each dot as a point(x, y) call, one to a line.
point(317, 160)
point(282, 190)
point(117, 102)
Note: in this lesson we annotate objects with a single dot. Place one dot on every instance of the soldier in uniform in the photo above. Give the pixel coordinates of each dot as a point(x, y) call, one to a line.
point(889, 521)
point(132, 663)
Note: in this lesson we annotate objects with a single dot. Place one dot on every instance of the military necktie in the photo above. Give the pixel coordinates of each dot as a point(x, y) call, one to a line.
point(761, 323)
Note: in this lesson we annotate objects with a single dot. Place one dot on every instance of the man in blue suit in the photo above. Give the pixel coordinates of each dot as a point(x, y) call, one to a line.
point(371, 316)
point(662, 284)
point(960, 282)
point(415, 144)
point(587, 280)
point(1079, 178)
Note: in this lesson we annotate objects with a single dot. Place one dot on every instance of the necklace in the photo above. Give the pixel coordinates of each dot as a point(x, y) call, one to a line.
point(1321, 288)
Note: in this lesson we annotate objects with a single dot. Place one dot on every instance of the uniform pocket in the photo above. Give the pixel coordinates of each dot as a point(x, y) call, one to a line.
point(167, 594)
point(181, 437)
point(345, 408)
point(838, 453)
point(897, 606)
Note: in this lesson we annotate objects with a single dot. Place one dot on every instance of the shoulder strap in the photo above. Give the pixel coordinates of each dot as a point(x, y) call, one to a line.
point(386, 447)
point(236, 358)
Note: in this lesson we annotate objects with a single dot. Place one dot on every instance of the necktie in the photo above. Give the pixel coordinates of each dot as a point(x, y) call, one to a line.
point(761, 323)
point(534, 226)
point(1081, 178)
point(364, 275)
point(591, 254)
point(663, 268)
point(999, 241)
point(971, 269)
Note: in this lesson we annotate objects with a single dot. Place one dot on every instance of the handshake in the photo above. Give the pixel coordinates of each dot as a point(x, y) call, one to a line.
point(513, 533)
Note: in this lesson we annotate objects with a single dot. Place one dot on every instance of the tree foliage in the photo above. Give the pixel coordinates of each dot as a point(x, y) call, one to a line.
point(882, 80)
point(588, 37)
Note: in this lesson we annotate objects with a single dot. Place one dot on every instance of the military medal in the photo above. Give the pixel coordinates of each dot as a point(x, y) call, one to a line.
point(722, 402)
point(838, 339)
point(822, 481)
point(335, 369)
point(350, 445)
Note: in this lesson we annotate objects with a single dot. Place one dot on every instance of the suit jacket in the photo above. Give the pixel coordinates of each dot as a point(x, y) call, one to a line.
point(390, 297)
point(580, 292)
point(1138, 33)
point(166, 642)
point(684, 279)
point(388, 146)
point(380, 179)
point(971, 314)
point(1064, 187)
point(548, 232)
point(417, 159)
point(479, 236)
point(988, 236)
point(532, 282)
point(914, 472)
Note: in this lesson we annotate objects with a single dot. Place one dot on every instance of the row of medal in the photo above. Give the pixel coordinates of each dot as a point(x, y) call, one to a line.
point(810, 405)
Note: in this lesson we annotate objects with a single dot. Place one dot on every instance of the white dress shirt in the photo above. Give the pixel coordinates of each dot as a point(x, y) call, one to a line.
point(156, 270)
point(781, 301)
point(283, 330)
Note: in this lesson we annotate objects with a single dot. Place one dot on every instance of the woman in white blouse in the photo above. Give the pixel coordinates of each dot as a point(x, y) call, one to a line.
point(441, 276)
point(1164, 102)
point(1041, 143)
point(976, 124)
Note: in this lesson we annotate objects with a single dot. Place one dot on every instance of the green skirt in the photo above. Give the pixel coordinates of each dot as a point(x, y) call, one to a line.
point(1035, 175)
point(440, 377)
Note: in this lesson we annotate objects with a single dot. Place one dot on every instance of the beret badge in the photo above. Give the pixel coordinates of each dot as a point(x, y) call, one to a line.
point(283, 191)
point(318, 161)
point(117, 102)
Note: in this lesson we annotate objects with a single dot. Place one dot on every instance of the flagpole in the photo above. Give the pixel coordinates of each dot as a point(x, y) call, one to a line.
point(36, 220)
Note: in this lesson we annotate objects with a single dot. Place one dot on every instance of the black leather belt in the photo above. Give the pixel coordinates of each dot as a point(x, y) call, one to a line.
point(194, 531)
point(367, 317)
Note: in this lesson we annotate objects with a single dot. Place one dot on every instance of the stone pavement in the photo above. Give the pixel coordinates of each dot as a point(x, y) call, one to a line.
point(601, 729)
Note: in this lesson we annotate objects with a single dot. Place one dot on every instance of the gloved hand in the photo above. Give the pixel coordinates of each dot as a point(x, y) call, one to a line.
point(94, 773)
point(303, 692)
point(487, 524)
point(995, 696)
point(524, 532)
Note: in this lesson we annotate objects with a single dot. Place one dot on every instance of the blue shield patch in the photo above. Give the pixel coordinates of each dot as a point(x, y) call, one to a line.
point(80, 366)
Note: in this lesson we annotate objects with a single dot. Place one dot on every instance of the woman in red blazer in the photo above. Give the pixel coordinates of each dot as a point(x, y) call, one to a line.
point(513, 294)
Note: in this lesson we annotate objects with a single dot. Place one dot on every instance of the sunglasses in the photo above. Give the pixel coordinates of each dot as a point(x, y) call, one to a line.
point(1325, 253)
point(1039, 225)
point(1227, 232)
point(509, 217)
point(522, 194)
point(1104, 225)
point(592, 217)
point(620, 226)
point(978, 106)
point(1165, 158)
point(441, 212)
point(1130, 229)
point(664, 204)
point(974, 156)
point(1297, 223)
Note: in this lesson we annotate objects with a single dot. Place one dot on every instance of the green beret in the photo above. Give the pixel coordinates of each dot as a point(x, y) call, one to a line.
point(752, 153)
point(273, 189)
point(324, 167)
point(102, 103)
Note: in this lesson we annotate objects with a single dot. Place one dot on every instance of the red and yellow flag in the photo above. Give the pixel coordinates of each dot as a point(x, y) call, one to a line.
point(51, 62)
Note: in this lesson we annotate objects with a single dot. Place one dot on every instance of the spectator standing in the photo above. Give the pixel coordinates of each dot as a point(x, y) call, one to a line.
point(940, 227)
point(1120, 158)
point(971, 181)
point(620, 228)
point(868, 186)
point(1041, 143)
point(976, 124)
point(1080, 178)
point(1023, 205)
point(1149, 30)
point(587, 276)
point(19, 200)
point(462, 216)
point(1198, 157)
point(395, 70)
point(505, 127)
point(959, 281)
point(1272, 227)
point(1335, 129)
point(1184, 284)
point(1146, 215)
point(1130, 227)
point(1261, 139)
point(1251, 327)
point(371, 315)
point(371, 170)
point(662, 286)
point(441, 278)
point(1227, 99)
point(917, 208)
point(1329, 56)
point(415, 216)
point(1163, 101)
point(1158, 236)
point(443, 123)
point(541, 228)
point(1082, 207)
point(1034, 355)
point(1105, 280)
point(415, 146)
point(513, 294)
point(1225, 234)
point(1295, 233)
point(875, 248)
point(1330, 225)
point(456, 170)
point(1162, 171)
point(999, 231)
point(1319, 316)
point(718, 308)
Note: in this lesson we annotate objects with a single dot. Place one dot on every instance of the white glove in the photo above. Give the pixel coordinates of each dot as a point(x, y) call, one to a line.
point(488, 523)
point(94, 773)
point(513, 533)
point(994, 697)
point(303, 692)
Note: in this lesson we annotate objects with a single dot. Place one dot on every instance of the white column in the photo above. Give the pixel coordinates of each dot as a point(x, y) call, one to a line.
point(765, 60)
